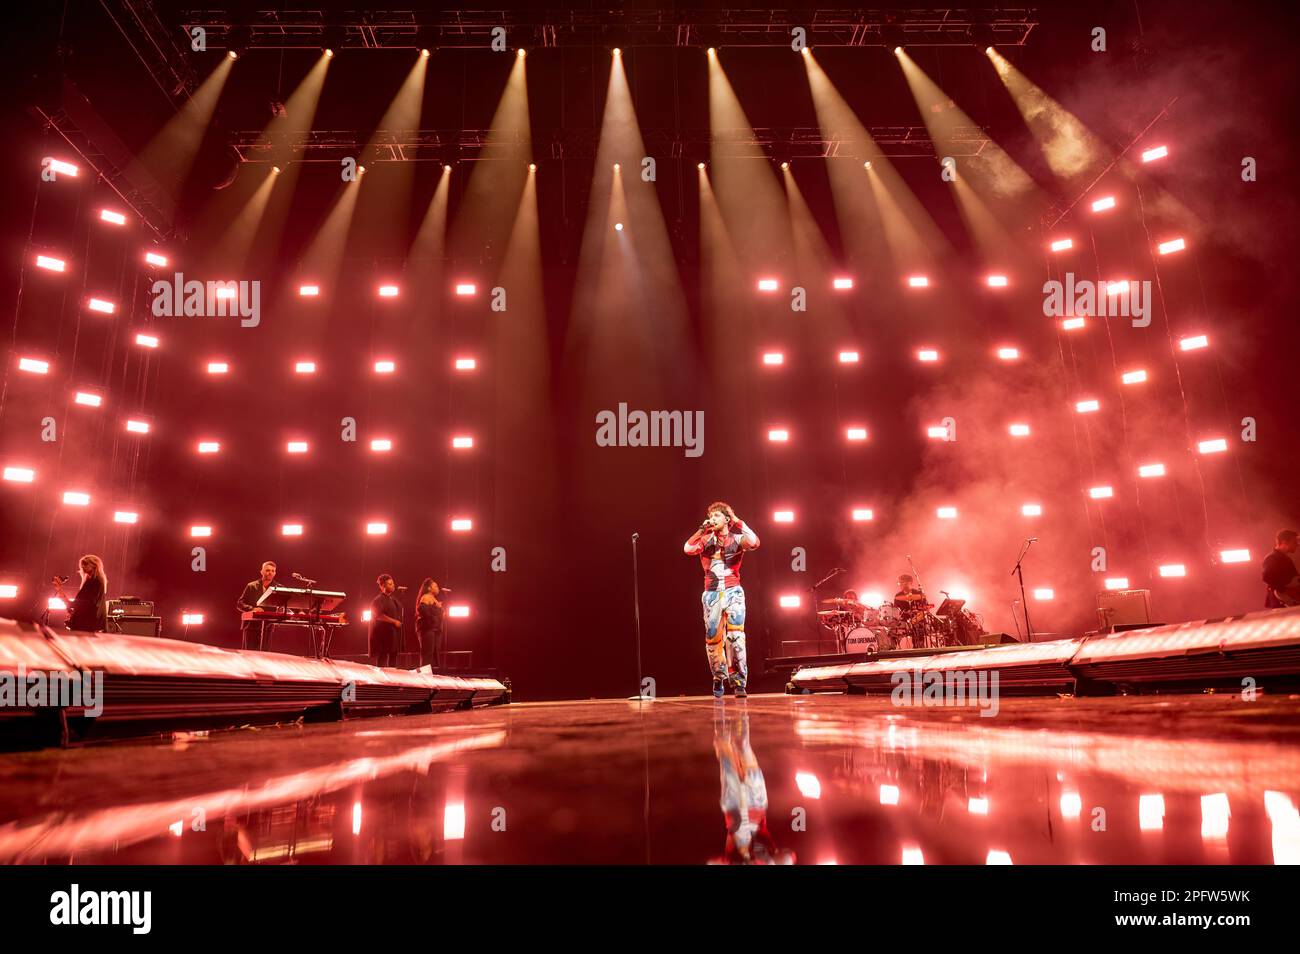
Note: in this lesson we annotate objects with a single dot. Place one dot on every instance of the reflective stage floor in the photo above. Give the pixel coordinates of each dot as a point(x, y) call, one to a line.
point(808, 780)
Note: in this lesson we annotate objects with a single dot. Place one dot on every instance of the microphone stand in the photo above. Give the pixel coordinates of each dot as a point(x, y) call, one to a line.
point(813, 589)
point(1024, 603)
point(636, 616)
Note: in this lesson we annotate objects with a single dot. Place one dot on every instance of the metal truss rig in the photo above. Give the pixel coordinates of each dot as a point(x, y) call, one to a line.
point(540, 28)
point(458, 145)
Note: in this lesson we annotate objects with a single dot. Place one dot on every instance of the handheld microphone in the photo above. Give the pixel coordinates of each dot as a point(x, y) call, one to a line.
point(444, 589)
point(1032, 540)
point(635, 537)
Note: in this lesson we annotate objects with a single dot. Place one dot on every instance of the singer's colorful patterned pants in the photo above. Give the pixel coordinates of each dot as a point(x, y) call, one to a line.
point(724, 633)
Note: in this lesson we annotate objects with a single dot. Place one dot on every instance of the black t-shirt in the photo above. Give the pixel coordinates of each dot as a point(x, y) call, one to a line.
point(906, 604)
point(1279, 571)
point(86, 614)
point(386, 605)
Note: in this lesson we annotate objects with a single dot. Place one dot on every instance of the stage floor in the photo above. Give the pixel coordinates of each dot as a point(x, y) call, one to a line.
point(810, 779)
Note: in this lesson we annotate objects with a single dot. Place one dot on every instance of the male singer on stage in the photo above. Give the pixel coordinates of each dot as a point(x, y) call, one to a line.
point(255, 631)
point(720, 543)
point(385, 624)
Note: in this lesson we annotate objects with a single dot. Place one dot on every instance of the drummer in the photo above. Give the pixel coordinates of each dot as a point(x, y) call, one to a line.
point(854, 605)
point(909, 598)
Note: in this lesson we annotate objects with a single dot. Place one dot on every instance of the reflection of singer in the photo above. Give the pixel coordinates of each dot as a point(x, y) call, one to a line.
point(86, 612)
point(720, 543)
point(253, 631)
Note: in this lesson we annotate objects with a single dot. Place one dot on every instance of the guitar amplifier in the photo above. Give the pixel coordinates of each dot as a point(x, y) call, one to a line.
point(1123, 608)
point(134, 625)
point(129, 606)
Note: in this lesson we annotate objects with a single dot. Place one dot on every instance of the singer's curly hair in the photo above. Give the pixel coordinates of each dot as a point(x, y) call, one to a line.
point(722, 506)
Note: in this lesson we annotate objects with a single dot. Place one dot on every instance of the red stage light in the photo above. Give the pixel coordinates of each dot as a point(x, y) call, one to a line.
point(88, 399)
point(290, 529)
point(209, 447)
point(842, 284)
point(918, 281)
point(385, 367)
point(76, 498)
point(997, 281)
point(1044, 593)
point(1173, 245)
point(225, 293)
point(218, 367)
point(462, 524)
point(153, 258)
point(62, 168)
point(1151, 470)
point(462, 442)
point(1031, 510)
point(789, 601)
point(115, 218)
point(8, 591)
point(1101, 493)
point(778, 435)
point(1088, 406)
point(1234, 556)
point(20, 475)
point(146, 341)
point(50, 263)
point(126, 516)
point(1117, 583)
point(381, 444)
point(137, 427)
point(308, 291)
point(768, 284)
point(34, 365)
point(466, 364)
point(1061, 245)
point(783, 516)
point(1101, 205)
point(946, 513)
point(773, 358)
point(1173, 569)
point(465, 289)
point(1216, 445)
point(376, 528)
point(296, 447)
point(1019, 430)
point(55, 604)
point(1157, 152)
point(101, 306)
point(1072, 324)
point(191, 619)
point(388, 291)
point(1193, 342)
point(305, 367)
point(928, 355)
point(848, 357)
point(458, 610)
point(937, 431)
point(863, 513)
point(1009, 354)
point(200, 531)
point(856, 433)
point(1118, 287)
point(1134, 377)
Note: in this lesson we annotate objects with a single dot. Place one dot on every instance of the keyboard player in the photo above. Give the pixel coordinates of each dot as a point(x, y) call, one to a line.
point(254, 631)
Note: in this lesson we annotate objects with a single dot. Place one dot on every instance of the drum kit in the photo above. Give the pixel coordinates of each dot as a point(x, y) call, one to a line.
point(858, 628)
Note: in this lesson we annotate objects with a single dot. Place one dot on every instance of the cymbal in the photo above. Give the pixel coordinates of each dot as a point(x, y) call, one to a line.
point(839, 601)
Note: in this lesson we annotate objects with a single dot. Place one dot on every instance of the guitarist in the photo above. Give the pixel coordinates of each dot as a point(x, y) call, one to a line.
point(1280, 572)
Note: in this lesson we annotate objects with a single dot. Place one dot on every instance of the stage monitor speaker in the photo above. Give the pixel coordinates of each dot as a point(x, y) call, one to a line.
point(135, 625)
point(1116, 608)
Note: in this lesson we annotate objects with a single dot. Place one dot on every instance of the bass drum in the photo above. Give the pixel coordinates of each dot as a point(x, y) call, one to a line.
point(860, 639)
